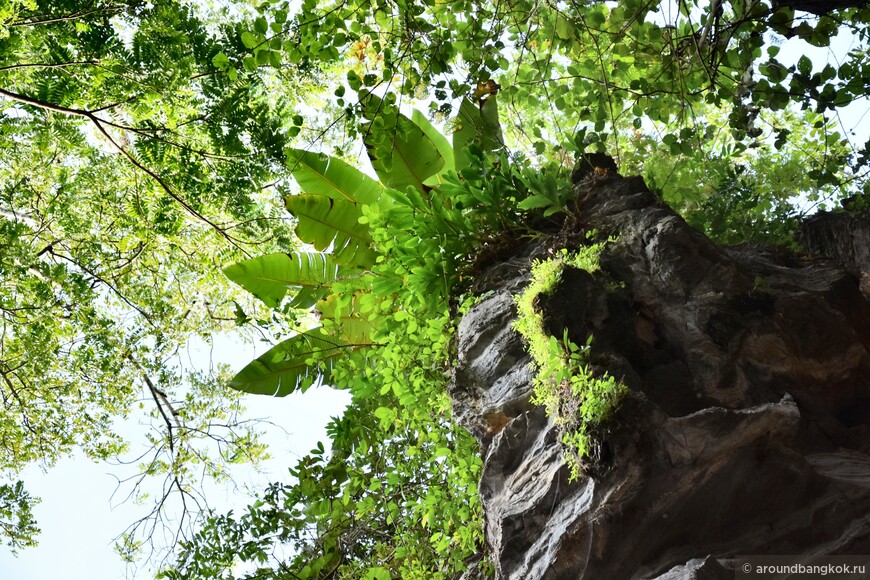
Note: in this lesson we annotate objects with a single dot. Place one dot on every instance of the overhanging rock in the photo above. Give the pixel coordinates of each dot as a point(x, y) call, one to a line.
point(747, 428)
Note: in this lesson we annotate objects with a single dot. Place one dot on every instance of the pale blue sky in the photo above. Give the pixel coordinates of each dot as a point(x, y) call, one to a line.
point(79, 520)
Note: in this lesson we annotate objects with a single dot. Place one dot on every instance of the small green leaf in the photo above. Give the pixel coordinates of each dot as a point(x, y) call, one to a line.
point(249, 40)
point(805, 65)
point(221, 61)
point(534, 202)
point(260, 25)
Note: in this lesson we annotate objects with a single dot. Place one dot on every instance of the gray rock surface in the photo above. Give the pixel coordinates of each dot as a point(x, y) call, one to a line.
point(747, 428)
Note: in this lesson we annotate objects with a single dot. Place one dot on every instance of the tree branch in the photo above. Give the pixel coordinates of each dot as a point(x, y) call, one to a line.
point(162, 403)
point(47, 65)
point(67, 17)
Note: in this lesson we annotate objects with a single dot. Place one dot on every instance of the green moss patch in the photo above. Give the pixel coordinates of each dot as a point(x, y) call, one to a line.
point(576, 399)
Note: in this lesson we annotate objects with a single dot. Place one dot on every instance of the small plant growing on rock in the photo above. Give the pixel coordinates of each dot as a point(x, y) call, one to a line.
point(565, 385)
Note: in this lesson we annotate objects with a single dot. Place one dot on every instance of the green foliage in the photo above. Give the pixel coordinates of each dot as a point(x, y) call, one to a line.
point(547, 192)
point(398, 496)
point(294, 364)
point(578, 400)
point(682, 78)
point(329, 208)
point(328, 223)
point(739, 211)
point(417, 241)
point(320, 174)
point(477, 126)
point(126, 177)
point(143, 143)
point(739, 195)
point(400, 151)
point(17, 524)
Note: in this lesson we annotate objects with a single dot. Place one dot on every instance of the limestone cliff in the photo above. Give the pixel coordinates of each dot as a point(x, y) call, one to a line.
point(747, 428)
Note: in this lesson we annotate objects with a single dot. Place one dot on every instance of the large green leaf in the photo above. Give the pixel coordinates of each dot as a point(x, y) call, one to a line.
point(270, 277)
point(294, 364)
point(355, 326)
point(325, 222)
point(321, 174)
point(479, 125)
point(401, 153)
point(441, 142)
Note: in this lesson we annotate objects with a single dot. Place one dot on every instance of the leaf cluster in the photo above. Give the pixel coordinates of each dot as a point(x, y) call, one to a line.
point(683, 77)
point(16, 516)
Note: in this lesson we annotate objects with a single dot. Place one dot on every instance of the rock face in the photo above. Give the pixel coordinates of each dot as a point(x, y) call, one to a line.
point(747, 428)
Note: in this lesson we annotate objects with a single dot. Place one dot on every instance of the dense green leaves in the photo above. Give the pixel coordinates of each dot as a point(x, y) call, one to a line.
point(144, 143)
point(401, 471)
point(695, 101)
point(126, 175)
point(17, 524)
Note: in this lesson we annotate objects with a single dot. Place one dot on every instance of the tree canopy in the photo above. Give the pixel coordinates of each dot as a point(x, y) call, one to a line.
point(129, 169)
point(356, 163)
